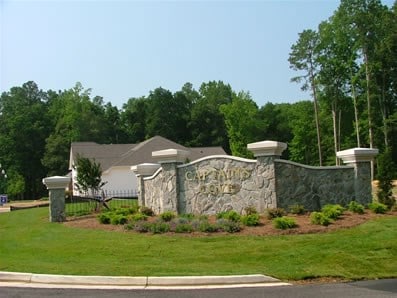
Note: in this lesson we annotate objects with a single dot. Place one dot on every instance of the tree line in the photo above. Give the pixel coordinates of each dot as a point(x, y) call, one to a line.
point(348, 63)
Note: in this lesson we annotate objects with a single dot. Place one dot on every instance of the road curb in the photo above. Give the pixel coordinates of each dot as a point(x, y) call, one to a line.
point(139, 281)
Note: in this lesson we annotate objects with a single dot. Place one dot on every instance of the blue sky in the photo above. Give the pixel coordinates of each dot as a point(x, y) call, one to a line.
point(123, 49)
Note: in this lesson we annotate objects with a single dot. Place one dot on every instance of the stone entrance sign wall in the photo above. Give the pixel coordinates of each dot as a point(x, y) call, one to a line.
point(221, 183)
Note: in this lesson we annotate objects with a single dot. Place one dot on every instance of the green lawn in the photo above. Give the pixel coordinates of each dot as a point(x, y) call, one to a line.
point(29, 243)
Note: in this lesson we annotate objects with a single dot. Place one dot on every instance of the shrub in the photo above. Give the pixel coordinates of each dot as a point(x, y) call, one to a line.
point(146, 210)
point(251, 220)
point(229, 226)
point(142, 226)
point(167, 216)
point(284, 223)
point(138, 217)
point(319, 218)
point(206, 227)
point(250, 210)
point(332, 211)
point(159, 227)
point(297, 209)
point(180, 221)
point(378, 207)
point(123, 211)
point(183, 228)
point(229, 215)
point(275, 212)
point(355, 207)
point(104, 218)
point(188, 216)
point(118, 219)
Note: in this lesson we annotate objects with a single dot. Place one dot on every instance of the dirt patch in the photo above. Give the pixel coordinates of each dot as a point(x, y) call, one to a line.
point(266, 228)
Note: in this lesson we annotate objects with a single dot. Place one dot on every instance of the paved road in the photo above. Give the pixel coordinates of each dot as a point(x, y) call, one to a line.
point(366, 289)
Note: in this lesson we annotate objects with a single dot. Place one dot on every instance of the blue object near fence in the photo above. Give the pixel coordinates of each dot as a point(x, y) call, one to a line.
point(3, 200)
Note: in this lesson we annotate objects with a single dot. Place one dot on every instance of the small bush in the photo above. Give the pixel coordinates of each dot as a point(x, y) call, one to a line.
point(138, 217)
point(319, 218)
point(167, 216)
point(250, 210)
point(183, 228)
point(229, 215)
point(297, 209)
point(146, 210)
point(284, 223)
point(123, 211)
point(206, 227)
point(180, 221)
point(228, 225)
point(251, 220)
point(378, 207)
point(159, 227)
point(356, 207)
point(118, 219)
point(275, 212)
point(333, 211)
point(104, 218)
point(188, 216)
point(142, 226)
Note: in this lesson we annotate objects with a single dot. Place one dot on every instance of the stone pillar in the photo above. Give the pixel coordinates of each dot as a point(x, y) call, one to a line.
point(360, 159)
point(265, 153)
point(169, 159)
point(56, 186)
point(141, 171)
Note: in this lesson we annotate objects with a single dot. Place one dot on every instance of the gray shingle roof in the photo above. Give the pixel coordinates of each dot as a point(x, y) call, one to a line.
point(132, 154)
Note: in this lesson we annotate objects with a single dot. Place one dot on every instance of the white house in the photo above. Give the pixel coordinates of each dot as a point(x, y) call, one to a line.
point(116, 161)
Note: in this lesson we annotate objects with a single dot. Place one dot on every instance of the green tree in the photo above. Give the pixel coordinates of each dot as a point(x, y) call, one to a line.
point(242, 122)
point(24, 127)
point(302, 147)
point(167, 115)
point(15, 185)
point(133, 119)
point(304, 57)
point(207, 124)
point(89, 176)
point(386, 172)
point(75, 118)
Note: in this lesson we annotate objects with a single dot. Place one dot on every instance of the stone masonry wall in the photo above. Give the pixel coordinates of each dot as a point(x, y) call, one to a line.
point(313, 187)
point(154, 193)
point(221, 183)
point(225, 183)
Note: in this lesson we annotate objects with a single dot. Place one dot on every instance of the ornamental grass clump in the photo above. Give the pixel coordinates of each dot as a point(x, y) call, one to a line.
point(297, 209)
point(146, 210)
point(275, 212)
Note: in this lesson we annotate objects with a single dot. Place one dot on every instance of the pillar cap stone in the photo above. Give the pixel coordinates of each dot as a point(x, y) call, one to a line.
point(267, 148)
point(170, 155)
point(56, 182)
point(145, 169)
point(357, 155)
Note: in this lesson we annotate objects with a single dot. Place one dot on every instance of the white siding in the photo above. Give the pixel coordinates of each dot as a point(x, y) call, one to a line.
point(119, 179)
